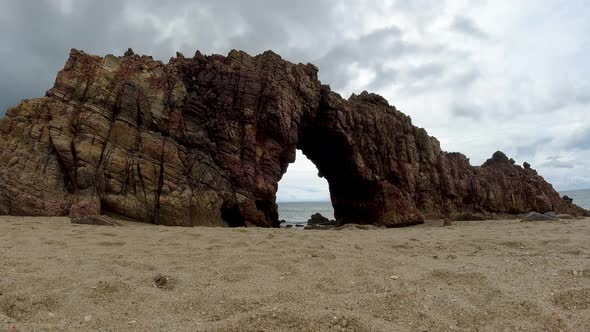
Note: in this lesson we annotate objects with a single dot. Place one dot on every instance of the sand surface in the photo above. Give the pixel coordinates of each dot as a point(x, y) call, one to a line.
point(472, 276)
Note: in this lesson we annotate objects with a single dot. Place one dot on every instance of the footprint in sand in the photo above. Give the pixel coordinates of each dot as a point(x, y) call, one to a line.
point(193, 235)
point(513, 244)
point(22, 307)
point(55, 243)
point(108, 291)
point(237, 273)
point(573, 299)
point(240, 244)
point(111, 243)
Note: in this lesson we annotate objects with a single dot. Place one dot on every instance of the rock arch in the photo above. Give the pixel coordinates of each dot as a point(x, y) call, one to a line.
point(205, 140)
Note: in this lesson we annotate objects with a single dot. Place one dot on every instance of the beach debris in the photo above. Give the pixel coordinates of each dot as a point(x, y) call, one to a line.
point(96, 221)
point(394, 277)
point(162, 281)
point(536, 216)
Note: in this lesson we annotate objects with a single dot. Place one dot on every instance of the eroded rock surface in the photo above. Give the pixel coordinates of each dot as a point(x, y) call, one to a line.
point(205, 140)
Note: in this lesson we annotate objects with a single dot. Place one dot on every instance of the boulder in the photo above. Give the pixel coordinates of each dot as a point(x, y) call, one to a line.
point(536, 216)
point(551, 214)
point(317, 221)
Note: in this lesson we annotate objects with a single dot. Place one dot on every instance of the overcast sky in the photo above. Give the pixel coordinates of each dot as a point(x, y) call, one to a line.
point(479, 75)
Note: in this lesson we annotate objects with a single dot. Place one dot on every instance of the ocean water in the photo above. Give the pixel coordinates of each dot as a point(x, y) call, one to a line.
point(581, 197)
point(300, 212)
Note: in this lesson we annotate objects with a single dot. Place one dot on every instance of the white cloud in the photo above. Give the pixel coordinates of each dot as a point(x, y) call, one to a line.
point(301, 183)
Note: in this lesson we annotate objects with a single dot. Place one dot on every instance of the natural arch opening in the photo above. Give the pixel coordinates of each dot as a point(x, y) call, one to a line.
point(354, 193)
point(302, 193)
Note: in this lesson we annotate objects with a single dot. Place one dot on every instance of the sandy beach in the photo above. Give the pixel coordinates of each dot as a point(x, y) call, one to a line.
point(472, 276)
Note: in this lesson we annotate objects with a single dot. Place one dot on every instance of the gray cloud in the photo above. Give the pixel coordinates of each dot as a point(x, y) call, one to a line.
point(37, 36)
point(368, 51)
point(579, 139)
point(428, 70)
point(556, 162)
point(527, 151)
point(469, 111)
point(466, 26)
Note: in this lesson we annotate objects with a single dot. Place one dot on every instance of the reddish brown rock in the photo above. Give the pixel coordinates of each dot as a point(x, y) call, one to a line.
point(205, 140)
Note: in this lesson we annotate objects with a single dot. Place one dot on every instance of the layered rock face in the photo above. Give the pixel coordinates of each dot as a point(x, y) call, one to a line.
point(205, 141)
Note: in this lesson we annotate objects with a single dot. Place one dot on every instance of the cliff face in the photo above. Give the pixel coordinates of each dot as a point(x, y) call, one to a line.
point(205, 140)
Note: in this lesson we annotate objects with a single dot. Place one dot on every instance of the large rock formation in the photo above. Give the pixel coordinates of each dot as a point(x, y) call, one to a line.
point(205, 140)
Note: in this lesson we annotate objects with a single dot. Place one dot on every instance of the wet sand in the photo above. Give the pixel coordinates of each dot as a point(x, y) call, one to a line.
point(472, 276)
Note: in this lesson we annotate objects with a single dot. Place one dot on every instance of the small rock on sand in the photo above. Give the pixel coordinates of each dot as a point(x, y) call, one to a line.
point(162, 281)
